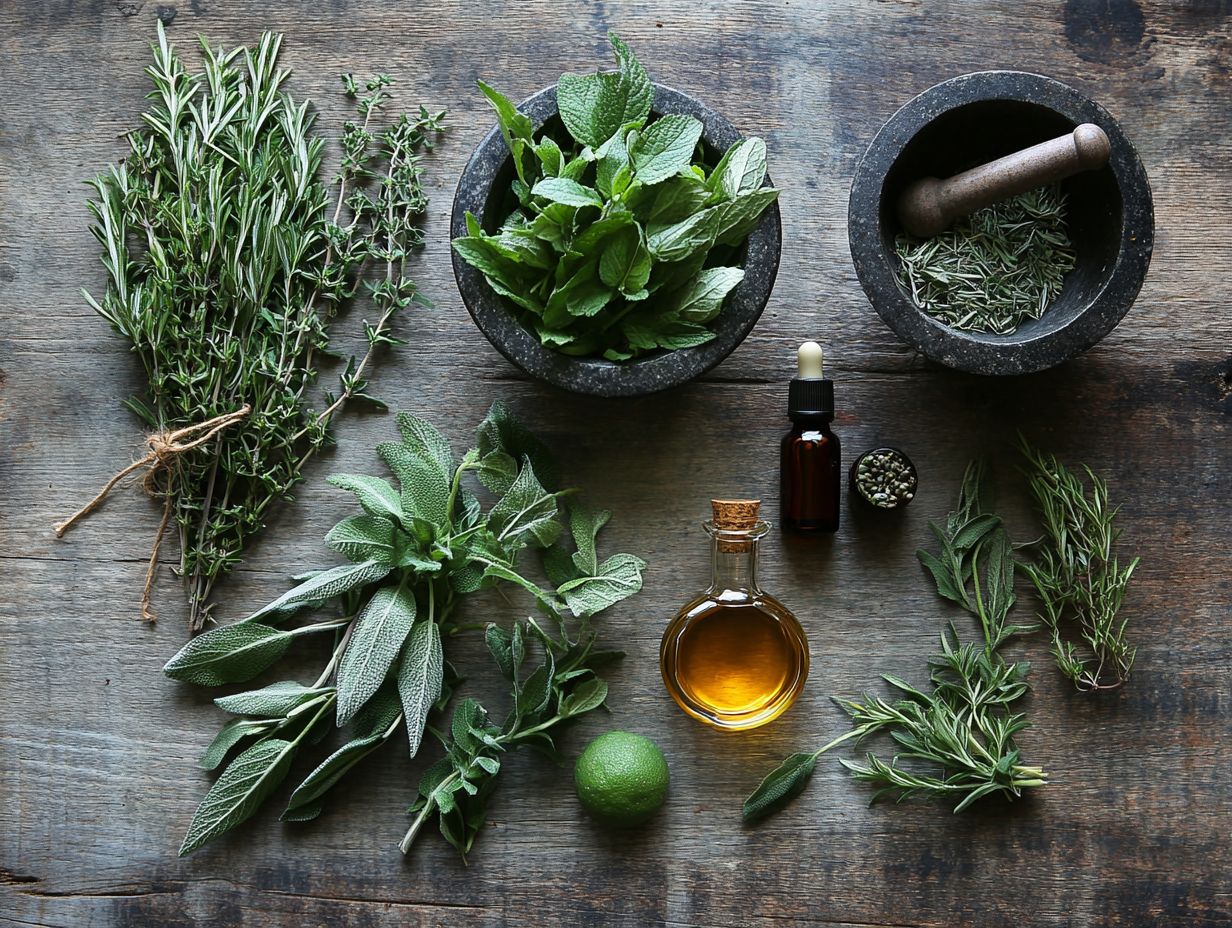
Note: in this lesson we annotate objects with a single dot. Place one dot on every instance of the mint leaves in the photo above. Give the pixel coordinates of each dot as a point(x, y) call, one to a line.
point(623, 241)
point(421, 541)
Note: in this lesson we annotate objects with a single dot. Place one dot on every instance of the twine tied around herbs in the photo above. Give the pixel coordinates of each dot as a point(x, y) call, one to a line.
point(164, 447)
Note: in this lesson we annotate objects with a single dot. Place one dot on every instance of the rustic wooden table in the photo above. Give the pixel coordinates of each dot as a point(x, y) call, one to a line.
point(97, 765)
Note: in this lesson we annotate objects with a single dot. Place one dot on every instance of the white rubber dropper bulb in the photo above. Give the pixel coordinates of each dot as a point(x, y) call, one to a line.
point(809, 361)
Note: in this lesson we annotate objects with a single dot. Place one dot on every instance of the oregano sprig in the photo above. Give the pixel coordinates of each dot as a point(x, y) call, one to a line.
point(421, 542)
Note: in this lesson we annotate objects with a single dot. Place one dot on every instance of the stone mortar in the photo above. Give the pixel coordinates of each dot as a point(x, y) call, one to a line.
point(483, 189)
point(973, 119)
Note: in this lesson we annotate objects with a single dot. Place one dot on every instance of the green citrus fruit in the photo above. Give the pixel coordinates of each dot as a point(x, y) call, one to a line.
point(621, 778)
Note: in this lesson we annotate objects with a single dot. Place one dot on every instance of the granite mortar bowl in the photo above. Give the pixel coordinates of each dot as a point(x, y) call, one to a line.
point(484, 190)
point(973, 119)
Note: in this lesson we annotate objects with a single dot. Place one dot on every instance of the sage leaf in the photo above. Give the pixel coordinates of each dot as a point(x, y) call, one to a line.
point(421, 437)
point(375, 495)
point(584, 525)
point(379, 632)
point(230, 654)
point(425, 488)
point(497, 471)
point(420, 675)
point(374, 725)
point(618, 577)
point(665, 148)
point(239, 792)
point(229, 736)
point(320, 588)
point(499, 431)
point(525, 506)
point(364, 538)
point(586, 696)
point(780, 786)
point(270, 702)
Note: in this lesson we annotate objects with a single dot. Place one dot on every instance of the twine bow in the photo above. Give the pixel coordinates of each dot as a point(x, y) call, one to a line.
point(164, 447)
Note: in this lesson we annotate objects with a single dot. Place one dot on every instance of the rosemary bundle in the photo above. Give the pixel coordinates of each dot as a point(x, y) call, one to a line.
point(1077, 575)
point(998, 268)
point(226, 256)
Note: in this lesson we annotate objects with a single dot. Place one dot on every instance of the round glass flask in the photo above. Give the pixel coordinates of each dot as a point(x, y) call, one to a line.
point(734, 657)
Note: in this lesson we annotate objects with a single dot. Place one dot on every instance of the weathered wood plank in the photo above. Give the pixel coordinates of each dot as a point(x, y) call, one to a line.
point(97, 749)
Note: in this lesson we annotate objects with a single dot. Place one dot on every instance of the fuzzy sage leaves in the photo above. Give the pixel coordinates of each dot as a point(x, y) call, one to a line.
point(422, 541)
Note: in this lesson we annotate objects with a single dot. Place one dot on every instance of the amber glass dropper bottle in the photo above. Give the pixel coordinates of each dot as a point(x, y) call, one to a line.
point(809, 462)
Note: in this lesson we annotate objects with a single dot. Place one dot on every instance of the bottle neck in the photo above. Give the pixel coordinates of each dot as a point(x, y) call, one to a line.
point(733, 567)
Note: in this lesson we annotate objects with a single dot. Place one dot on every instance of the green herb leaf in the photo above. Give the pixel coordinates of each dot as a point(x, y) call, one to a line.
point(320, 588)
point(568, 192)
point(419, 678)
point(526, 506)
point(364, 538)
point(238, 793)
point(230, 654)
point(665, 148)
point(618, 577)
point(376, 638)
point(702, 298)
point(780, 786)
point(742, 169)
point(229, 736)
point(270, 702)
point(375, 495)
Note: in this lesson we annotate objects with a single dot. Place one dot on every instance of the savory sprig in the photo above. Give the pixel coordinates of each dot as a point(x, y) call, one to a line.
point(1077, 575)
point(226, 256)
point(416, 549)
point(623, 239)
point(961, 730)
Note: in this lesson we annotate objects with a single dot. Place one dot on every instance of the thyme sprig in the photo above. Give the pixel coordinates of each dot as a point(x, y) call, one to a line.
point(962, 728)
point(1076, 573)
point(226, 256)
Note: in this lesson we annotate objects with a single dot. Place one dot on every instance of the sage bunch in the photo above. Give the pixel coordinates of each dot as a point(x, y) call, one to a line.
point(420, 544)
point(226, 256)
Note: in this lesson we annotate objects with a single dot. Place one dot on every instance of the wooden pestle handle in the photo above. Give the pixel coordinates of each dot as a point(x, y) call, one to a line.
point(928, 206)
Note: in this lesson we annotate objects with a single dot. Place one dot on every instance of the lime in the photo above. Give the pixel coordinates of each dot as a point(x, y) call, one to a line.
point(621, 778)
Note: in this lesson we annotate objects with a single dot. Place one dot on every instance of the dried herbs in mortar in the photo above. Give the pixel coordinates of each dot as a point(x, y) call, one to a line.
point(623, 239)
point(419, 546)
point(226, 256)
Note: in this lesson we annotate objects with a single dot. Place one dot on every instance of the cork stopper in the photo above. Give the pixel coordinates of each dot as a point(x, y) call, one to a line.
point(734, 515)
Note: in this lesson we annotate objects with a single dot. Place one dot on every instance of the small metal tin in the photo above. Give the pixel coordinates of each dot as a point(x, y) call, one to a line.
point(884, 479)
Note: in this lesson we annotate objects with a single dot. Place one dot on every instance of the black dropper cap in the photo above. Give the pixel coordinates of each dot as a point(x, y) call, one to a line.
point(809, 395)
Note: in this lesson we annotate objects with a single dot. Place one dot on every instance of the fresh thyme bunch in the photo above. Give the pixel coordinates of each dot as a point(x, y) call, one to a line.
point(226, 256)
point(962, 729)
point(413, 553)
point(1076, 572)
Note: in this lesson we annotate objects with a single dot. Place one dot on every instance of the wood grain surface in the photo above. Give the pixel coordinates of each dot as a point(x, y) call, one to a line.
point(98, 751)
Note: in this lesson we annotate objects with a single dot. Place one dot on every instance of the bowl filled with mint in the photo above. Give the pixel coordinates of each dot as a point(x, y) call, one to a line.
point(612, 236)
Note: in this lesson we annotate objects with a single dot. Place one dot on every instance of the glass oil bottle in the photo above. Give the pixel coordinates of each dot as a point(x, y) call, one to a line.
point(734, 657)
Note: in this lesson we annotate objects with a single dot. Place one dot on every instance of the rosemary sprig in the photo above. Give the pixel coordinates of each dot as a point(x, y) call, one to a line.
point(1077, 575)
point(227, 255)
point(998, 268)
point(963, 727)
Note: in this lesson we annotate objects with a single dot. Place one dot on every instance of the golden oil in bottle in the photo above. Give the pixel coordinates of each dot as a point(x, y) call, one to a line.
point(734, 657)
